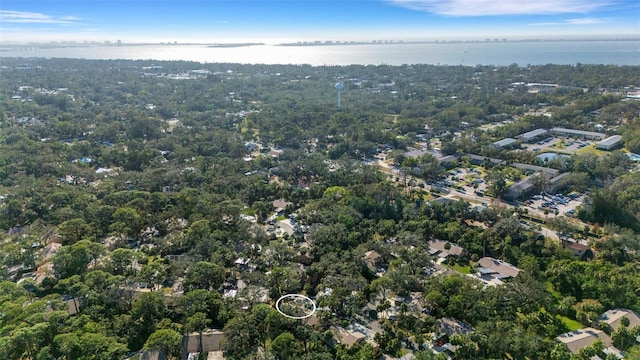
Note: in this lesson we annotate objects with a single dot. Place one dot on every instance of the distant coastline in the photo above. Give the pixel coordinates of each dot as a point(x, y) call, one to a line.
point(230, 45)
point(402, 42)
point(65, 44)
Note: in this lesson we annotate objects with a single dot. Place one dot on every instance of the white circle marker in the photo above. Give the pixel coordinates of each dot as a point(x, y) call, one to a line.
point(296, 297)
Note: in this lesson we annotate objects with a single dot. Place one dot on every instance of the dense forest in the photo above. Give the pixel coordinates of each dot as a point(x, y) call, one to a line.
point(150, 196)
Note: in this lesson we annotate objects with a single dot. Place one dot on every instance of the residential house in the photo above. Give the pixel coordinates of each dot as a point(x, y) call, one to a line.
point(451, 326)
point(579, 339)
point(242, 263)
point(372, 259)
point(614, 317)
point(73, 305)
point(347, 336)
point(209, 340)
point(493, 271)
point(445, 328)
point(583, 251)
point(148, 355)
point(444, 249)
point(280, 205)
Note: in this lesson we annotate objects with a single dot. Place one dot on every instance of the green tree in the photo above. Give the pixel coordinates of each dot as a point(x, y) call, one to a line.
point(126, 221)
point(283, 280)
point(74, 230)
point(146, 313)
point(285, 346)
point(165, 340)
point(203, 275)
point(496, 184)
point(623, 338)
point(123, 261)
point(241, 337)
point(153, 274)
point(75, 259)
point(101, 347)
point(197, 322)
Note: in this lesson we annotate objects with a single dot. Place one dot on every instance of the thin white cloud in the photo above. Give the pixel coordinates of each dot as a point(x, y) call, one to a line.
point(576, 21)
point(502, 7)
point(24, 17)
point(586, 21)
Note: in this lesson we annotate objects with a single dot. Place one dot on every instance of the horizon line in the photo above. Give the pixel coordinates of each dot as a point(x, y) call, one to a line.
point(329, 42)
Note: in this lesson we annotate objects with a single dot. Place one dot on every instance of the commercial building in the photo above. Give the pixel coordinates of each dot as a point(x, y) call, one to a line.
point(609, 143)
point(505, 143)
point(520, 189)
point(532, 135)
point(590, 135)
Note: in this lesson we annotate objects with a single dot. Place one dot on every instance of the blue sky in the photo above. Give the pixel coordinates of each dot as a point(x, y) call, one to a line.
point(275, 21)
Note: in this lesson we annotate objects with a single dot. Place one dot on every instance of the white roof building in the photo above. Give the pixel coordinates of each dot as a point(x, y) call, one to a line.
point(609, 143)
point(507, 142)
point(532, 135)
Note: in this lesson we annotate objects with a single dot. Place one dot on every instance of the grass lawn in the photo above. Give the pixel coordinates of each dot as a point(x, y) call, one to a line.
point(427, 197)
point(591, 150)
point(462, 269)
point(549, 287)
point(570, 323)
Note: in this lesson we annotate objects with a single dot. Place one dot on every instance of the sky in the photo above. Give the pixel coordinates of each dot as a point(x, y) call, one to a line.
point(277, 21)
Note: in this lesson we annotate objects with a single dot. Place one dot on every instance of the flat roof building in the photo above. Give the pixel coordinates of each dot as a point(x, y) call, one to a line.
point(591, 135)
point(504, 143)
point(534, 168)
point(479, 159)
point(532, 135)
point(609, 143)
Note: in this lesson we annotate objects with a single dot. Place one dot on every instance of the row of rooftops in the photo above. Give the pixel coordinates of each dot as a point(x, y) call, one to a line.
point(534, 134)
point(490, 270)
point(579, 339)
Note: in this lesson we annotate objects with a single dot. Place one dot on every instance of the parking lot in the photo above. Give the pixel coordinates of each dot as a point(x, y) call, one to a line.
point(563, 204)
point(568, 145)
point(463, 180)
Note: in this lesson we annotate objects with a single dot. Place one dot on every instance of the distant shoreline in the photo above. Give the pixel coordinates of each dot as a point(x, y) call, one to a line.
point(11, 46)
point(401, 42)
point(230, 45)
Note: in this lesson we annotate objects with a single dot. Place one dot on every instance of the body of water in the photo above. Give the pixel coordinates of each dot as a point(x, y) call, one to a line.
point(484, 53)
